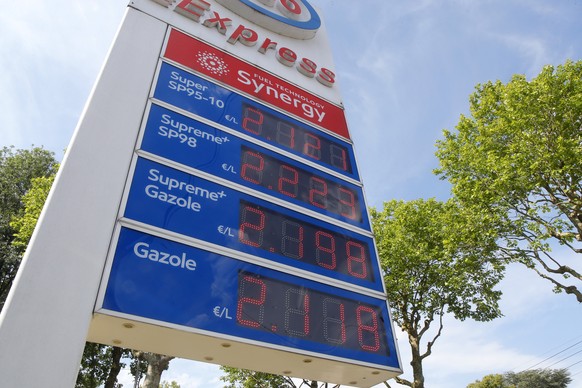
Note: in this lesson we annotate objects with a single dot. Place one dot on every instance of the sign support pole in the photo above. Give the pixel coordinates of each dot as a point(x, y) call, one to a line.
point(44, 323)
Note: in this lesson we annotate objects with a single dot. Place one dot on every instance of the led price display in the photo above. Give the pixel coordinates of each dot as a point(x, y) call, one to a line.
point(176, 201)
point(261, 169)
point(274, 306)
point(218, 104)
point(266, 229)
point(290, 135)
point(160, 279)
point(201, 146)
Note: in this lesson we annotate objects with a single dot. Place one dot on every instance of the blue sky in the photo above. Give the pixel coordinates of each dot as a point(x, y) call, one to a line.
point(406, 70)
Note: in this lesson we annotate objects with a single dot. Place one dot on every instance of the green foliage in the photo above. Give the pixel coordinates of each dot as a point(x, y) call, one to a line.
point(33, 201)
point(537, 378)
point(517, 159)
point(489, 381)
point(243, 378)
point(435, 255)
point(172, 384)
point(100, 366)
point(95, 366)
point(437, 258)
point(18, 168)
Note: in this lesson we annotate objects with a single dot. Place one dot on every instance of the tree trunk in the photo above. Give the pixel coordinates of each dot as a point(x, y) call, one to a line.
point(116, 354)
point(416, 363)
point(157, 364)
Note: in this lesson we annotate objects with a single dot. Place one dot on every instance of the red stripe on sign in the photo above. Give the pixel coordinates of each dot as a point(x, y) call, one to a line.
point(249, 79)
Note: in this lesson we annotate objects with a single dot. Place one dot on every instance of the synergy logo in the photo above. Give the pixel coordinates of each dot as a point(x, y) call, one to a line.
point(293, 18)
point(212, 63)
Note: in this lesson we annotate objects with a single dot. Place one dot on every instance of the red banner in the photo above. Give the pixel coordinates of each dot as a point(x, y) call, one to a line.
point(223, 67)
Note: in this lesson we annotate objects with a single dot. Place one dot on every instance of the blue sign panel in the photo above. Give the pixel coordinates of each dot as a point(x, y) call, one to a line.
point(218, 104)
point(170, 282)
point(194, 144)
point(192, 206)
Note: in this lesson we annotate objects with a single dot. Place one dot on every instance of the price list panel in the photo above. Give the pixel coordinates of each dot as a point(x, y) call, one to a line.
point(246, 221)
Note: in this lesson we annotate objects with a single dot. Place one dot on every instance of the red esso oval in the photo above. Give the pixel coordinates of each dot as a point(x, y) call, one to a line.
point(294, 18)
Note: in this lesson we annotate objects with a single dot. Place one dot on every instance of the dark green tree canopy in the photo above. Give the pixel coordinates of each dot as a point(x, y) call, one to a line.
point(517, 160)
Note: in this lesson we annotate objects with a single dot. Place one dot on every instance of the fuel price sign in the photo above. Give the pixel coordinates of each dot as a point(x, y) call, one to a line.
point(243, 236)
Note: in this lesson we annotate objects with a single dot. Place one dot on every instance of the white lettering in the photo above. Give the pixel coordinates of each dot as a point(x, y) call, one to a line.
point(181, 130)
point(143, 251)
point(289, 97)
point(245, 77)
point(172, 183)
point(154, 192)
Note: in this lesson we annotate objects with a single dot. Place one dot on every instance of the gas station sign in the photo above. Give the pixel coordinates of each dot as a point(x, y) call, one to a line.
point(243, 236)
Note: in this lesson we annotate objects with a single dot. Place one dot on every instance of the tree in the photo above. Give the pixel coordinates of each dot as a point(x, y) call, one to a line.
point(93, 371)
point(18, 168)
point(100, 366)
point(24, 222)
point(156, 365)
point(172, 384)
point(243, 378)
point(537, 378)
point(436, 260)
point(517, 160)
point(489, 381)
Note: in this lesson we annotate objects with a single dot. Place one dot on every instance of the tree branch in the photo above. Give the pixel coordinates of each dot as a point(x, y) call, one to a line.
point(567, 289)
point(438, 334)
point(561, 270)
point(402, 381)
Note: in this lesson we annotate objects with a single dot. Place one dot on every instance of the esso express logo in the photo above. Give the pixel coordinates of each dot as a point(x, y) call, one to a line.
point(294, 18)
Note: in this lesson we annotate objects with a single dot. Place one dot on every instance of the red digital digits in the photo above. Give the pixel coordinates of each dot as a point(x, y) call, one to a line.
point(268, 230)
point(301, 140)
point(367, 331)
point(302, 312)
point(269, 172)
point(256, 303)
